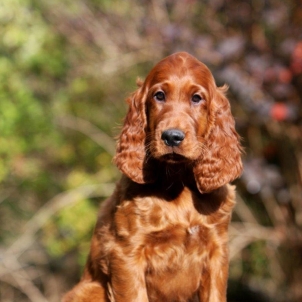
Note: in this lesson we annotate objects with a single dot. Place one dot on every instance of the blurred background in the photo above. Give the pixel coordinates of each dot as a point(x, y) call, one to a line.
point(66, 68)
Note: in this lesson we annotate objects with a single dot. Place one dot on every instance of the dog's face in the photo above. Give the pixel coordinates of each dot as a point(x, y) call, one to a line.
point(179, 115)
point(179, 93)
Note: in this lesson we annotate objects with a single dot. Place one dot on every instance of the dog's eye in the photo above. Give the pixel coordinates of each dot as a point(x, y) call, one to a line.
point(196, 98)
point(159, 96)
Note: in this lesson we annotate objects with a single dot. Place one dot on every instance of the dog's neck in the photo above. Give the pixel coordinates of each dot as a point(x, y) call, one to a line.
point(174, 177)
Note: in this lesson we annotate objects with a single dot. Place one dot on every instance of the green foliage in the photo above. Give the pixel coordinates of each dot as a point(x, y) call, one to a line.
point(255, 261)
point(38, 157)
point(68, 230)
point(27, 131)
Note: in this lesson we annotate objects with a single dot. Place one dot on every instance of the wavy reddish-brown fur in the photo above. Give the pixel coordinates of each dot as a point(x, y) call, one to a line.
point(162, 235)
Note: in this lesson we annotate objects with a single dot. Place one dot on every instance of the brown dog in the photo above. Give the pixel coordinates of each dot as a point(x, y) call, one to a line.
point(162, 236)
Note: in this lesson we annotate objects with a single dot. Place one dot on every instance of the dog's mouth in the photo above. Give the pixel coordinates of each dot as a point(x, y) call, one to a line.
point(173, 158)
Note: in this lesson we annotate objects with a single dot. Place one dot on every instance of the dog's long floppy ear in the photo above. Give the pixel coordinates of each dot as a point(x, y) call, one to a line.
point(220, 162)
point(130, 155)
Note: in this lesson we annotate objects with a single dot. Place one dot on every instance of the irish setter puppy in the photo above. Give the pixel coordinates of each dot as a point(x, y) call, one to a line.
point(163, 234)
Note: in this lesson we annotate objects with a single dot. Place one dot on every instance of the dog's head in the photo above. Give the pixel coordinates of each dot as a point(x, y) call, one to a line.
point(179, 115)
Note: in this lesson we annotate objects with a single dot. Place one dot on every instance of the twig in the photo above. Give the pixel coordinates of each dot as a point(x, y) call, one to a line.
point(272, 207)
point(21, 280)
point(87, 128)
point(242, 234)
point(49, 209)
point(243, 211)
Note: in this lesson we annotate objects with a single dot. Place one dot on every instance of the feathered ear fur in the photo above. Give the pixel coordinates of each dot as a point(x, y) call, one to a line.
point(130, 155)
point(220, 162)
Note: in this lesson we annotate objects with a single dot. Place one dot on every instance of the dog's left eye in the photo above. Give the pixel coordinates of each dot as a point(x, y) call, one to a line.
point(159, 96)
point(196, 98)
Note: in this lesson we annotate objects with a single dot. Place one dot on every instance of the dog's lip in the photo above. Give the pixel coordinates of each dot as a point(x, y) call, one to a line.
point(173, 157)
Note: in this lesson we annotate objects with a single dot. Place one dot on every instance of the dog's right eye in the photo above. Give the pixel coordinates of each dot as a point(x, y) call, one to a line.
point(159, 96)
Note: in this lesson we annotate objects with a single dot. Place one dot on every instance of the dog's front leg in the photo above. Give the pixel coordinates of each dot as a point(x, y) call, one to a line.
point(127, 280)
point(214, 277)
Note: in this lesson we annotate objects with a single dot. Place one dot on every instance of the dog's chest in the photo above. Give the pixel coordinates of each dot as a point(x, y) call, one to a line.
point(170, 238)
point(172, 235)
point(158, 221)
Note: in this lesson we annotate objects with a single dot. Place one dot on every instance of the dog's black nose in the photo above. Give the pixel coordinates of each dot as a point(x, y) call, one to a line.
point(172, 137)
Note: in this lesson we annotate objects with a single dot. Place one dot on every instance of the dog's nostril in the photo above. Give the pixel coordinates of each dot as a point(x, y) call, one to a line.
point(172, 137)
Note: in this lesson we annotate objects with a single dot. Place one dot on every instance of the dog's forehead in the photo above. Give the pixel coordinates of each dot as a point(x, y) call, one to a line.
point(180, 65)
